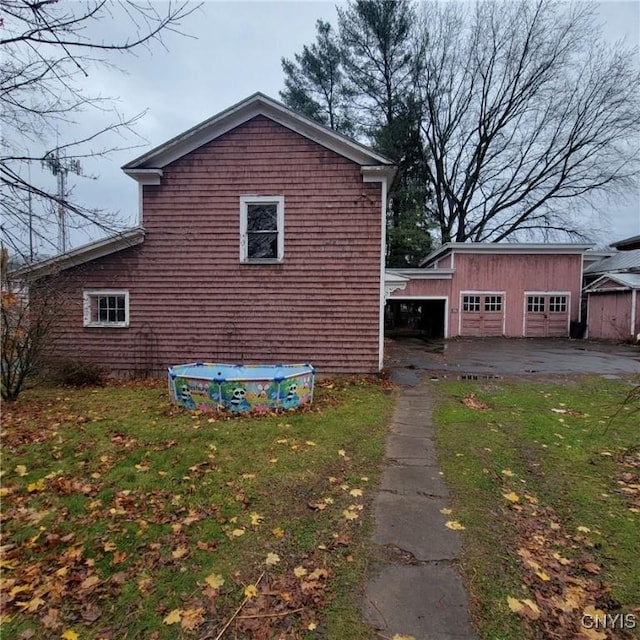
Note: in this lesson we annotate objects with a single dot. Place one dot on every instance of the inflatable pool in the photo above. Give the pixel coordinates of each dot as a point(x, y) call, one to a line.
point(239, 388)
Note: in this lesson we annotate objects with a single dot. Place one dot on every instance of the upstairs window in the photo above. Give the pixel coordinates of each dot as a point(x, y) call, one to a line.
point(261, 229)
point(106, 308)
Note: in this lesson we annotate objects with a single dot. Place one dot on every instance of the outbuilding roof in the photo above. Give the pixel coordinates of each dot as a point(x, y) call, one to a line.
point(147, 168)
point(625, 280)
point(505, 247)
point(618, 262)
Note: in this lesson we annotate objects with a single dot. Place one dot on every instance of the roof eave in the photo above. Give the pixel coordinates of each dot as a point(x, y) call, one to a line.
point(234, 116)
point(81, 255)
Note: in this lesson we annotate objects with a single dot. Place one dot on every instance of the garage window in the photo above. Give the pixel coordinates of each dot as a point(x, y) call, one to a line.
point(471, 303)
point(535, 304)
point(493, 303)
point(558, 304)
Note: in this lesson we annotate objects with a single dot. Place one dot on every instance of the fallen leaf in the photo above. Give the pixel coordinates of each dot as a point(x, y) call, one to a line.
point(214, 580)
point(455, 525)
point(507, 472)
point(179, 552)
point(512, 496)
point(21, 470)
point(298, 572)
point(36, 486)
point(356, 493)
point(349, 515)
point(278, 532)
point(192, 618)
point(256, 518)
point(251, 591)
point(272, 559)
point(70, 634)
point(173, 617)
point(445, 511)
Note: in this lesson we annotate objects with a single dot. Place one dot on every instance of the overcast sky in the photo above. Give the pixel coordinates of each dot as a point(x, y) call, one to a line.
point(235, 51)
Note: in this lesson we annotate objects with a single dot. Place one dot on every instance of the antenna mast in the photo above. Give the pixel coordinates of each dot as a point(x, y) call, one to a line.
point(60, 167)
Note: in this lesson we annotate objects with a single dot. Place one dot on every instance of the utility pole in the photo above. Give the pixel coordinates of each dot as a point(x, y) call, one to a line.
point(60, 167)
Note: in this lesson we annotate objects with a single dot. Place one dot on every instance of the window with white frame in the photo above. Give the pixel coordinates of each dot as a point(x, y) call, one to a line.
point(261, 228)
point(558, 304)
point(535, 304)
point(106, 308)
point(493, 303)
point(471, 303)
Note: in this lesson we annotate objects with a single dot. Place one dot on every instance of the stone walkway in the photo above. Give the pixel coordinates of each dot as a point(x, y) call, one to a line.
point(416, 590)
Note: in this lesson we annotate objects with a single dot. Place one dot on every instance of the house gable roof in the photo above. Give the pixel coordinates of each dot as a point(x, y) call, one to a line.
point(150, 164)
point(81, 255)
point(504, 248)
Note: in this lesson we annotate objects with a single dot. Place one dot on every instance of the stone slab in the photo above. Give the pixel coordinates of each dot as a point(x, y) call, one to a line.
point(427, 602)
point(410, 450)
point(415, 524)
point(415, 480)
point(407, 428)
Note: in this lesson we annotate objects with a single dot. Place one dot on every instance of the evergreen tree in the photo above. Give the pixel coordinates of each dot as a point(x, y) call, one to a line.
point(314, 82)
point(382, 65)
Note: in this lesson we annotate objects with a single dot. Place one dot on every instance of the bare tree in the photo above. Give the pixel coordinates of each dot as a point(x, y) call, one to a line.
point(49, 47)
point(526, 112)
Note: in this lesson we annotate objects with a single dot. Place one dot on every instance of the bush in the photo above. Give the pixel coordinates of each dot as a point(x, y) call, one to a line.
point(78, 373)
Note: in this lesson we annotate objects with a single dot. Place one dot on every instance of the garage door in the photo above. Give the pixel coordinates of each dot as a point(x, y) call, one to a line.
point(482, 314)
point(546, 315)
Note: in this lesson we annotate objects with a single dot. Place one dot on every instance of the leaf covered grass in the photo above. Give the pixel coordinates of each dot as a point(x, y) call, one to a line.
point(124, 516)
point(545, 478)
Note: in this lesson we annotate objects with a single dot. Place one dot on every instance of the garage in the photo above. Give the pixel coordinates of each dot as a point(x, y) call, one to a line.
point(546, 315)
point(482, 313)
point(415, 318)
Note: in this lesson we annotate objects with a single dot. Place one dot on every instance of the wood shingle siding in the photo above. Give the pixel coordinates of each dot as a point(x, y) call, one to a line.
point(190, 297)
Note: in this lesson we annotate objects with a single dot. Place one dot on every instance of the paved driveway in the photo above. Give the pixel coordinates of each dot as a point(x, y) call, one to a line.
point(408, 359)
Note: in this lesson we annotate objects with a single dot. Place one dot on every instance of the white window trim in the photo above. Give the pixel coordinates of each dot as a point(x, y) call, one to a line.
point(88, 294)
point(244, 237)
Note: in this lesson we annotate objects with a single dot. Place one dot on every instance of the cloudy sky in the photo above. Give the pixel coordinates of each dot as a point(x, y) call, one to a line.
point(235, 50)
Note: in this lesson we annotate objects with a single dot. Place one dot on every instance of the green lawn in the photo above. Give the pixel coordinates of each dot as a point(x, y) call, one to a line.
point(125, 517)
point(545, 478)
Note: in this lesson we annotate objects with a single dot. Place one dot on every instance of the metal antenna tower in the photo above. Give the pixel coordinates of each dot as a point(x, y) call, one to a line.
point(60, 167)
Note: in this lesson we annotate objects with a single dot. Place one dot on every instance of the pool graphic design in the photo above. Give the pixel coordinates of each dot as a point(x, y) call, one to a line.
point(241, 388)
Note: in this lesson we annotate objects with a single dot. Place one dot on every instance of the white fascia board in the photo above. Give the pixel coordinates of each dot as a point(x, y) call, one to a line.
point(145, 176)
point(81, 255)
point(238, 114)
point(426, 274)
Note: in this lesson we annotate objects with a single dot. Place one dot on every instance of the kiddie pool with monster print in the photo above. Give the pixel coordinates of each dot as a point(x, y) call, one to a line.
point(239, 388)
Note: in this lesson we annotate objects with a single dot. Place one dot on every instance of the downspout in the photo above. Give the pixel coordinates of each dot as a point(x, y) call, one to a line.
point(634, 310)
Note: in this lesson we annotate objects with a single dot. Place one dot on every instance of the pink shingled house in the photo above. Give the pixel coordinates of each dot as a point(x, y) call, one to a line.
point(261, 240)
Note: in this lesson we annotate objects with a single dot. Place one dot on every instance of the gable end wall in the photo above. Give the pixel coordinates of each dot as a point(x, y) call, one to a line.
point(192, 300)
